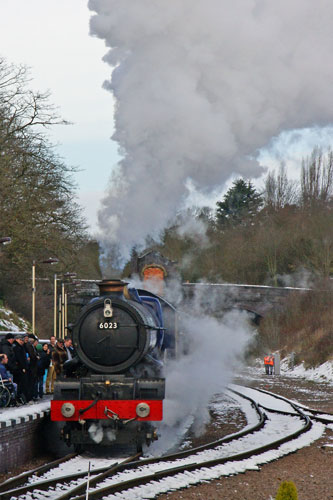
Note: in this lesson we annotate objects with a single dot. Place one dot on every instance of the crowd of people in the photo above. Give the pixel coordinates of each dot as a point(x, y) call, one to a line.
point(33, 366)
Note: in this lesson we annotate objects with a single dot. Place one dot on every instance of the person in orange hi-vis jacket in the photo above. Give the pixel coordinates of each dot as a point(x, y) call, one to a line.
point(269, 364)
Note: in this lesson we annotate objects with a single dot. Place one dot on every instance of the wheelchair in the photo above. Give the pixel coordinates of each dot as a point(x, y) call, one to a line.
point(8, 395)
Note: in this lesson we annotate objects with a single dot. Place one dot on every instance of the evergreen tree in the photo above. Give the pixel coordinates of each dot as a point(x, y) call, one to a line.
point(240, 204)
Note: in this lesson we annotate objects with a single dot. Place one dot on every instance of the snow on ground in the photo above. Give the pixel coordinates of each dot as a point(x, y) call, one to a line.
point(184, 480)
point(235, 401)
point(276, 427)
point(77, 464)
point(266, 400)
point(8, 320)
point(322, 373)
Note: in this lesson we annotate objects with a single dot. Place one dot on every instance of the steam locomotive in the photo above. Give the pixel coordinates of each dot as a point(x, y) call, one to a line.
point(115, 386)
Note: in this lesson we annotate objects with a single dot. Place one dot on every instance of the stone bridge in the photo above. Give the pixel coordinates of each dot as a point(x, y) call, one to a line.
point(215, 298)
point(257, 299)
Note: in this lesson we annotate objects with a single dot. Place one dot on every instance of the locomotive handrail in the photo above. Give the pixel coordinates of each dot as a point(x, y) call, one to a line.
point(149, 327)
point(83, 410)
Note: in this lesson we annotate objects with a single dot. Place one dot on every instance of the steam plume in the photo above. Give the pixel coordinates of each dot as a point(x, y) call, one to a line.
point(199, 88)
point(210, 350)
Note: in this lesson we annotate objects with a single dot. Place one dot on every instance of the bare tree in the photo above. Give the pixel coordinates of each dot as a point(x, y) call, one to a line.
point(37, 192)
point(23, 113)
point(317, 178)
point(279, 190)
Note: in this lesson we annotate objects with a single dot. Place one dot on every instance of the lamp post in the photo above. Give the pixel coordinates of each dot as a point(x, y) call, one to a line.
point(51, 260)
point(62, 305)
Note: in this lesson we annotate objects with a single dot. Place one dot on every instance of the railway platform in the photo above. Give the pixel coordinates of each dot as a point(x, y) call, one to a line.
point(20, 432)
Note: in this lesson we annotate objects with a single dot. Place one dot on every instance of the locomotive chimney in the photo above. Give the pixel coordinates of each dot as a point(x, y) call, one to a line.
point(112, 286)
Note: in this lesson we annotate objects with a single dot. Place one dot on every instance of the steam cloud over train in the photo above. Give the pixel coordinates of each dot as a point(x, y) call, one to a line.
point(113, 390)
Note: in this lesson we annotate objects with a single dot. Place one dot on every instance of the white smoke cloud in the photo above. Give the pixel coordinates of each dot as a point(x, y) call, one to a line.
point(215, 353)
point(194, 228)
point(301, 278)
point(199, 88)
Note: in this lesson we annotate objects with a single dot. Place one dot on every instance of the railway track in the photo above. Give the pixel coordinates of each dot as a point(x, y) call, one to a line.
point(145, 478)
point(28, 482)
point(319, 416)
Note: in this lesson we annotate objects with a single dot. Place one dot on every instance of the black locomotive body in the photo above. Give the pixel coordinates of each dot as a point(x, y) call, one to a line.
point(115, 386)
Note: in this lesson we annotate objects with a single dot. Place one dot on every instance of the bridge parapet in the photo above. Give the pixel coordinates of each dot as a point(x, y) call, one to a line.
point(220, 297)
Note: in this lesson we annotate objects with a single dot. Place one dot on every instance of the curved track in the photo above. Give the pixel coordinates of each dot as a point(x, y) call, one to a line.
point(153, 476)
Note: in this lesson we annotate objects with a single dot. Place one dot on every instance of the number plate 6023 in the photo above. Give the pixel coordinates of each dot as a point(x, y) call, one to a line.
point(107, 325)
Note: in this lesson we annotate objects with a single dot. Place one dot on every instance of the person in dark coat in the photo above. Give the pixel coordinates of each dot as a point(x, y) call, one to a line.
point(33, 361)
point(59, 356)
point(21, 368)
point(26, 340)
point(42, 366)
point(6, 347)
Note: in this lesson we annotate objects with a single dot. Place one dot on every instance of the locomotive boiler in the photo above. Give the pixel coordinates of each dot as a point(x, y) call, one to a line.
point(114, 388)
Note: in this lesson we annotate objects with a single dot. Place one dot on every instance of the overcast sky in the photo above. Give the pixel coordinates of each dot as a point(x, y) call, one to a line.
point(52, 38)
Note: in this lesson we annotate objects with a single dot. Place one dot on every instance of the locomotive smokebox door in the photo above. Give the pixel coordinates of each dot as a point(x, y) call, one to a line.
point(113, 334)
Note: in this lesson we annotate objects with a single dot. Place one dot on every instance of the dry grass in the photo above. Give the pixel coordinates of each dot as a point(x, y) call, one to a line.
point(305, 326)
